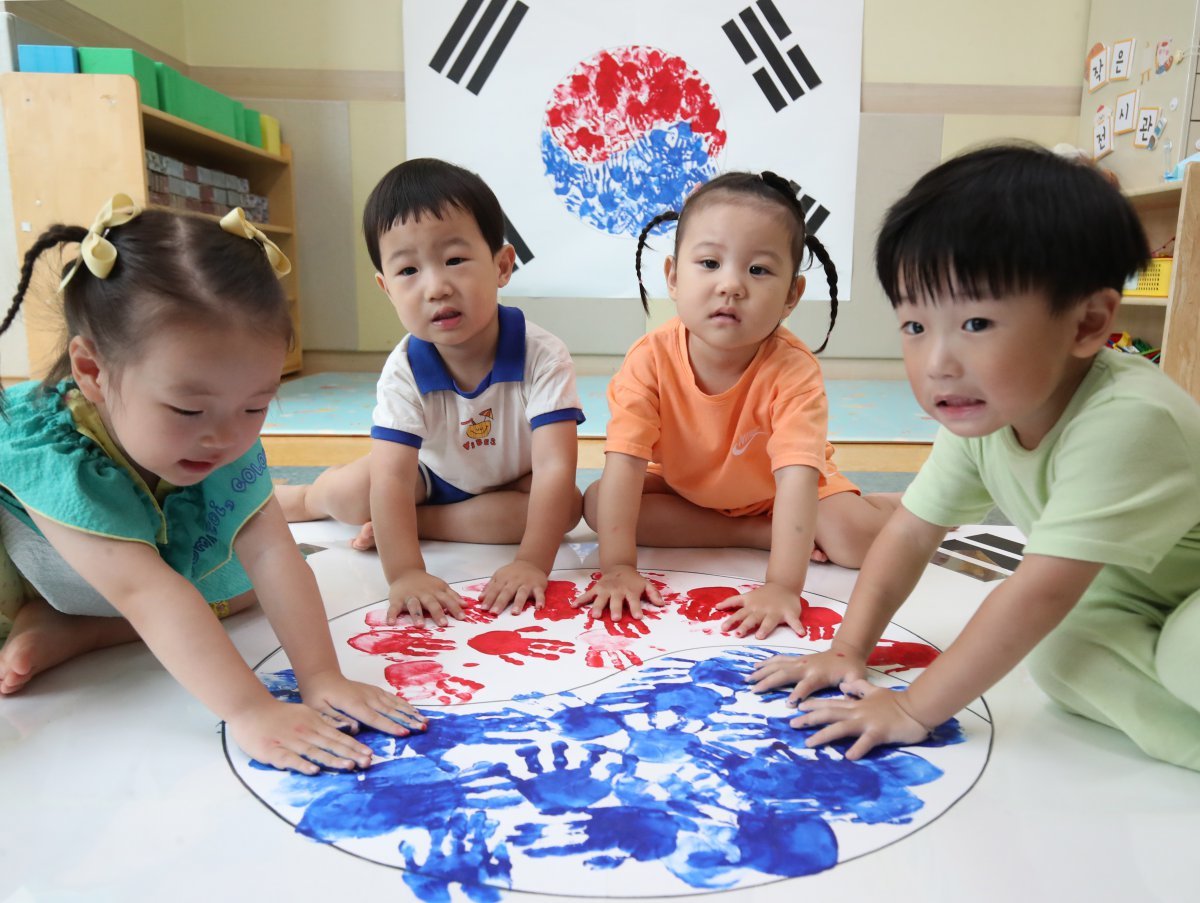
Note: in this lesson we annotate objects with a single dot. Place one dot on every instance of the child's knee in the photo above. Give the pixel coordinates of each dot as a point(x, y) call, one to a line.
point(575, 512)
point(591, 502)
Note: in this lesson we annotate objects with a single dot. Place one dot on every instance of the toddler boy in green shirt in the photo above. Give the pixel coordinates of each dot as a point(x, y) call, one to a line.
point(1005, 268)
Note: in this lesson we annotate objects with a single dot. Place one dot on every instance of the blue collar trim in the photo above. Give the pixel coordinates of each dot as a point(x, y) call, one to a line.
point(431, 375)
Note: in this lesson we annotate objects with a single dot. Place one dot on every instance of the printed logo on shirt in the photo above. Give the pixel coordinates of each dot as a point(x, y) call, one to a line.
point(477, 430)
point(743, 441)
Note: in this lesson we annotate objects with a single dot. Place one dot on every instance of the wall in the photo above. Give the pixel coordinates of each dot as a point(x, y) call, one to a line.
point(1148, 22)
point(938, 76)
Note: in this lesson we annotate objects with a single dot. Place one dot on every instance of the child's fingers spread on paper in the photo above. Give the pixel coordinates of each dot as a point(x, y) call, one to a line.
point(829, 733)
point(434, 607)
point(521, 598)
point(452, 602)
point(653, 596)
point(635, 608)
point(340, 720)
point(861, 747)
point(731, 602)
point(767, 627)
point(539, 598)
point(415, 611)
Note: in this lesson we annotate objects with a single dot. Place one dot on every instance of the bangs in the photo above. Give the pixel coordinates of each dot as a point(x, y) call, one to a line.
point(1008, 220)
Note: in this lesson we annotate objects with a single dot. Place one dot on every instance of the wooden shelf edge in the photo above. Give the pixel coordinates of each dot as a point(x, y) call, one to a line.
point(1142, 301)
point(169, 121)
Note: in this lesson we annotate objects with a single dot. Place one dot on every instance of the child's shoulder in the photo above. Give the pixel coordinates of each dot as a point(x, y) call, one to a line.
point(784, 351)
point(1129, 382)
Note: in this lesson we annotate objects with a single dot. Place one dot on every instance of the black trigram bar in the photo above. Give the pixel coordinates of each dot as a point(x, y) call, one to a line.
point(997, 542)
point(513, 237)
point(987, 556)
point(474, 40)
point(813, 218)
point(782, 70)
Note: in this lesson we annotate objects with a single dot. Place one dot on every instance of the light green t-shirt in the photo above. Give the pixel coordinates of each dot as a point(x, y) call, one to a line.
point(1116, 481)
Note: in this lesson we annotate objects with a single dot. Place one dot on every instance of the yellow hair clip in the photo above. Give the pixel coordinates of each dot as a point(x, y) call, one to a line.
point(235, 223)
point(96, 252)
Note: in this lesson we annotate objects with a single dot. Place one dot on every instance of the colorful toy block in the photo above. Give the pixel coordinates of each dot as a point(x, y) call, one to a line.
point(123, 61)
point(253, 125)
point(47, 58)
point(270, 133)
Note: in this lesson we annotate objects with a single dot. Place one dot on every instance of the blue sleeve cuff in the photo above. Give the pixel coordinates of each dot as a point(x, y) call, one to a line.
point(382, 432)
point(556, 417)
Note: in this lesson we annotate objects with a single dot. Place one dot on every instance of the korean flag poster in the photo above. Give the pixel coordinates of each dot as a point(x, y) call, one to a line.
point(588, 119)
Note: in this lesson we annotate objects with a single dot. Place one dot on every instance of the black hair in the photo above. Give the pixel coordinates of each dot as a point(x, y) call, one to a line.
point(427, 186)
point(169, 268)
point(768, 188)
point(1009, 219)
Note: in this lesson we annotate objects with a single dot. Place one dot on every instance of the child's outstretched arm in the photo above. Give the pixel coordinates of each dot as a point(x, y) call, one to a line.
point(1011, 621)
point(171, 616)
point(553, 509)
point(793, 525)
point(288, 593)
point(620, 499)
point(892, 568)
point(411, 588)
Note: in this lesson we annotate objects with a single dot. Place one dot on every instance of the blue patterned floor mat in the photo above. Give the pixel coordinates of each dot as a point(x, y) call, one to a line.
point(340, 404)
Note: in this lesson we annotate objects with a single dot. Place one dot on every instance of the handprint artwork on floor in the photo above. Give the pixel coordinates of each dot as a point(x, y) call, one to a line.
point(575, 756)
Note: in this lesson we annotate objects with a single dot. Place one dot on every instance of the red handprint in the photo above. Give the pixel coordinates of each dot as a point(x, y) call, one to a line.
point(474, 613)
point(510, 643)
point(627, 625)
point(819, 623)
point(428, 680)
point(412, 641)
point(701, 602)
point(559, 596)
point(606, 650)
point(667, 595)
point(903, 655)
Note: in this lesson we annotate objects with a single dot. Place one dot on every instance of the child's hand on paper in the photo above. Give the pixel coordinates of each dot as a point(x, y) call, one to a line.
point(764, 608)
point(519, 582)
point(873, 714)
point(416, 592)
point(618, 587)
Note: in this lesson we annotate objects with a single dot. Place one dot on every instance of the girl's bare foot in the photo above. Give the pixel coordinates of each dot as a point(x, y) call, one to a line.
point(43, 637)
point(365, 540)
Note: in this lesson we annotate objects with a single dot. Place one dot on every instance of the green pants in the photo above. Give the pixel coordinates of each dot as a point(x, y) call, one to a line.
point(1131, 665)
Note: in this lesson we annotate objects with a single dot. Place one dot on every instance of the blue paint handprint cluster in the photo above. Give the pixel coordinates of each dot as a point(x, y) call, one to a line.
point(679, 770)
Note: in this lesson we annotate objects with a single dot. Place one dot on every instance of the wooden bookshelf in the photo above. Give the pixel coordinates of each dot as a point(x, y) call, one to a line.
point(76, 140)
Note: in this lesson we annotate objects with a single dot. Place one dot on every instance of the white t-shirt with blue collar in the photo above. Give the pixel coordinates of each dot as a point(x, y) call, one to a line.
point(481, 440)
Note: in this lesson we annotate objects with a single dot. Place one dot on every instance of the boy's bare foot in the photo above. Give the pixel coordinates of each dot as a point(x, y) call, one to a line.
point(365, 540)
point(818, 554)
point(43, 637)
point(294, 502)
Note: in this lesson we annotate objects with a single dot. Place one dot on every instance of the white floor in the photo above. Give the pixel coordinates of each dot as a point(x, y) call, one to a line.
point(114, 784)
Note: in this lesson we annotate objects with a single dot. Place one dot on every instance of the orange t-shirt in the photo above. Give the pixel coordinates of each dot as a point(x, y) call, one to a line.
point(721, 451)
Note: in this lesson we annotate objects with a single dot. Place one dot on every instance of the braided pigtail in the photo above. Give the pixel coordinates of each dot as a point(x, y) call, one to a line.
point(668, 217)
point(55, 235)
point(818, 251)
point(52, 237)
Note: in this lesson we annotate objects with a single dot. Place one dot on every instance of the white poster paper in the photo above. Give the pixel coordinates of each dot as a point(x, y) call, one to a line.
point(589, 119)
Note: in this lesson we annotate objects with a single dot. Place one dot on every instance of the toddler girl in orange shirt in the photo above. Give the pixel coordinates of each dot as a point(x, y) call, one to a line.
point(717, 434)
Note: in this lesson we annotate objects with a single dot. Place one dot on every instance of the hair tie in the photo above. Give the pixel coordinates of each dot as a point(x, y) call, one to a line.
point(235, 223)
point(96, 252)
